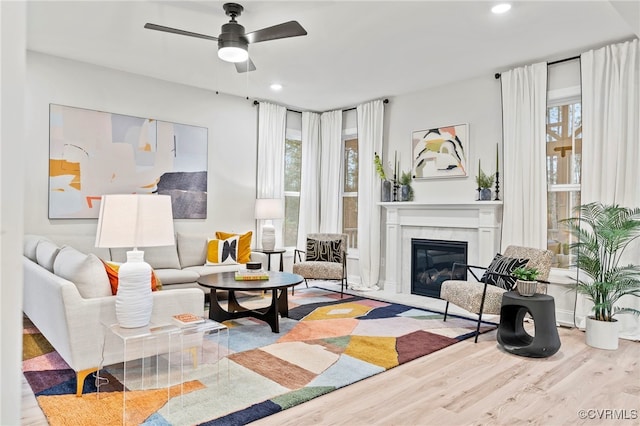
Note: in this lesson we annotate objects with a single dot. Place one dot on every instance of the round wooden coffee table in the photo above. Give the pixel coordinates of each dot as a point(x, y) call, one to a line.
point(277, 282)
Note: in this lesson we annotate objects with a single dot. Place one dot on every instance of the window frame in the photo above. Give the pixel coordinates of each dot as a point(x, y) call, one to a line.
point(348, 134)
point(296, 135)
point(559, 97)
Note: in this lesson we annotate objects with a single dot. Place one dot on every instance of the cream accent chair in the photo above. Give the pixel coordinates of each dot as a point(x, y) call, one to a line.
point(480, 297)
point(318, 246)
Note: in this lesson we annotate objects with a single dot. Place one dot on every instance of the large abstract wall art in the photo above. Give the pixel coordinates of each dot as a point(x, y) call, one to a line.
point(92, 153)
point(440, 152)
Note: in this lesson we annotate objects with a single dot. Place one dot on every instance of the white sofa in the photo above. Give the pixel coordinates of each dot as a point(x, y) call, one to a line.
point(68, 298)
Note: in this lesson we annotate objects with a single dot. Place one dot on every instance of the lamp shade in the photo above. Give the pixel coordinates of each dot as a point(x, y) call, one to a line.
point(135, 220)
point(269, 208)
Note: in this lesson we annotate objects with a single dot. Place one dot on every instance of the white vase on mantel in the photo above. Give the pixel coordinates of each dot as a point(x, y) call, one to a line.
point(134, 301)
point(602, 334)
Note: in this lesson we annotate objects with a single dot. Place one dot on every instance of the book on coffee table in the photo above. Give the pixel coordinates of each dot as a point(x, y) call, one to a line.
point(187, 319)
point(251, 275)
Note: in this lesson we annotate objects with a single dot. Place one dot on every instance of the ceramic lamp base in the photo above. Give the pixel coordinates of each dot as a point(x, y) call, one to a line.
point(268, 237)
point(134, 301)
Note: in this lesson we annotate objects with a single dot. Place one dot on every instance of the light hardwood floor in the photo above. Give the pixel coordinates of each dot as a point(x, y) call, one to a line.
point(477, 384)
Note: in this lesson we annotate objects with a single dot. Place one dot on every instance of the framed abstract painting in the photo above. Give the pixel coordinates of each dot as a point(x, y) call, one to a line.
point(93, 153)
point(440, 152)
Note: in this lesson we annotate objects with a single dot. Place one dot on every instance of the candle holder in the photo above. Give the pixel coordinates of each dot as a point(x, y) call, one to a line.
point(395, 188)
point(497, 186)
point(479, 197)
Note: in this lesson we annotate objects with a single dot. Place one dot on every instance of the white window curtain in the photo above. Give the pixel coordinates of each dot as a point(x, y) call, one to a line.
point(272, 123)
point(524, 110)
point(331, 171)
point(370, 132)
point(309, 219)
point(611, 143)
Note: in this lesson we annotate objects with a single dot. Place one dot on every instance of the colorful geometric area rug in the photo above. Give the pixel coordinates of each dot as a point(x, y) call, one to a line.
point(325, 344)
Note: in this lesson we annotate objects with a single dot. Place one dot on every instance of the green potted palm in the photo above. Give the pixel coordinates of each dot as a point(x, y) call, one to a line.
point(602, 233)
point(526, 283)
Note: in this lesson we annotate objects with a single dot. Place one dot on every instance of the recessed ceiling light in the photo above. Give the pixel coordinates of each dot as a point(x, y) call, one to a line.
point(276, 86)
point(501, 8)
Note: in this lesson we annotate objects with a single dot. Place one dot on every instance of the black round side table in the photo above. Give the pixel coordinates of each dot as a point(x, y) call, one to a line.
point(269, 253)
point(511, 333)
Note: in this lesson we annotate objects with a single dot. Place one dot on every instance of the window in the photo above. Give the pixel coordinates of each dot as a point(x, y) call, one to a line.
point(292, 167)
point(350, 190)
point(564, 154)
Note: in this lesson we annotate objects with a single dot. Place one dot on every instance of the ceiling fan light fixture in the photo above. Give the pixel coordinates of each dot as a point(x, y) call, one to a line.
point(233, 54)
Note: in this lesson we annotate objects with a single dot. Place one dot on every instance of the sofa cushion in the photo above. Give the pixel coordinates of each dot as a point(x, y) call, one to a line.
point(46, 252)
point(176, 276)
point(192, 249)
point(203, 270)
point(29, 245)
point(158, 257)
point(244, 244)
point(112, 269)
point(86, 271)
point(222, 251)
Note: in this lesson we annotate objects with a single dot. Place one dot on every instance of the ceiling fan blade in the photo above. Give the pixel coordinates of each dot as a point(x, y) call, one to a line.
point(245, 66)
point(177, 31)
point(284, 30)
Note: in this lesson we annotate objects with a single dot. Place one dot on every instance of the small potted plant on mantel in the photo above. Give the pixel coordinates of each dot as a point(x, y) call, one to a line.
point(406, 191)
point(485, 182)
point(526, 283)
point(603, 232)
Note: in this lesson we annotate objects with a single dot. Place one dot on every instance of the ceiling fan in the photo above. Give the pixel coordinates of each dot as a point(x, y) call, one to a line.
point(233, 42)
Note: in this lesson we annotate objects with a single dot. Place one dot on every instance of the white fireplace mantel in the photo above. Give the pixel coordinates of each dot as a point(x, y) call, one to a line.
point(477, 223)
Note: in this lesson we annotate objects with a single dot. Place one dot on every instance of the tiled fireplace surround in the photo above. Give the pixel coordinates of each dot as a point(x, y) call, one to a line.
point(478, 223)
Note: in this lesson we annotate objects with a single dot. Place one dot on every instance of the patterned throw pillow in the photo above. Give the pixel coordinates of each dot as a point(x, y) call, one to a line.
point(244, 244)
point(223, 252)
point(323, 251)
point(503, 265)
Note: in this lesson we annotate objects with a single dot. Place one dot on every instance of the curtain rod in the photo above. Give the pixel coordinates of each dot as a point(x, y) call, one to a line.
point(559, 61)
point(384, 101)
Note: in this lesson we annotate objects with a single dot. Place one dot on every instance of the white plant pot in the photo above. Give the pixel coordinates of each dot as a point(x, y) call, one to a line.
point(526, 288)
point(602, 334)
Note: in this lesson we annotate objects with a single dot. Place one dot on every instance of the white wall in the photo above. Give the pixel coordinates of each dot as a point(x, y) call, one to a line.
point(232, 124)
point(12, 70)
point(475, 102)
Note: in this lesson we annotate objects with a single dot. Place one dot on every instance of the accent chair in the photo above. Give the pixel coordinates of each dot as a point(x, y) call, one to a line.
point(325, 258)
point(484, 295)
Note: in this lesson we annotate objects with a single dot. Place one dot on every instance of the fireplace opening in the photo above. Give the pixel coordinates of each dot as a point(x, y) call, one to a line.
point(432, 264)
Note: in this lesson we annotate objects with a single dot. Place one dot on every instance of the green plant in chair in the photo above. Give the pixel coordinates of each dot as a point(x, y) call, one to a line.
point(526, 274)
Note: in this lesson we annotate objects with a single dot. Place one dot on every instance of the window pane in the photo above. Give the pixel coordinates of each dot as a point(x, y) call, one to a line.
point(351, 165)
point(291, 209)
point(350, 219)
point(560, 206)
point(292, 165)
point(564, 144)
point(564, 152)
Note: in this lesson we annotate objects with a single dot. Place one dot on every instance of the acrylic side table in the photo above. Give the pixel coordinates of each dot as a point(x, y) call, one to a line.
point(150, 351)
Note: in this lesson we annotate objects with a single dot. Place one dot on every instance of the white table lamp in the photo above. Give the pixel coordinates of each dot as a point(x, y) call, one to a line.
point(132, 221)
point(268, 209)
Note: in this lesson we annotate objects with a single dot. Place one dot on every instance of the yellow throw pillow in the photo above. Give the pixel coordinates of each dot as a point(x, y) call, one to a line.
point(112, 269)
point(244, 244)
point(223, 252)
